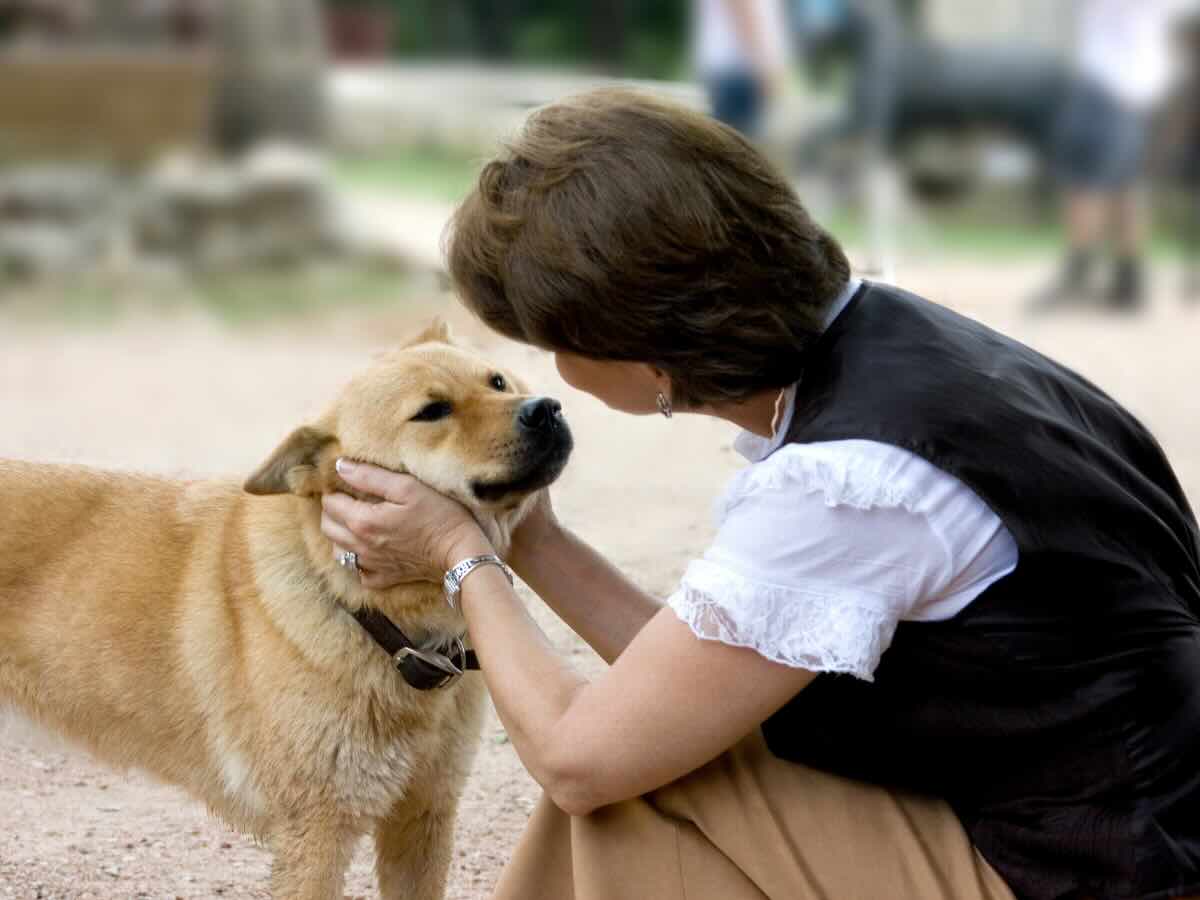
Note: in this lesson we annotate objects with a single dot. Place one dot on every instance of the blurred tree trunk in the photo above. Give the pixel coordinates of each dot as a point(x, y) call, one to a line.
point(272, 73)
point(493, 21)
point(113, 20)
point(128, 23)
point(608, 32)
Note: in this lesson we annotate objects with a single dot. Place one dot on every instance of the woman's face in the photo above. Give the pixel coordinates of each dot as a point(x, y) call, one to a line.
point(630, 387)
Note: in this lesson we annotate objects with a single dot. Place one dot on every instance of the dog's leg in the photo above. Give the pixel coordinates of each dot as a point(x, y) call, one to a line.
point(311, 857)
point(412, 850)
point(413, 843)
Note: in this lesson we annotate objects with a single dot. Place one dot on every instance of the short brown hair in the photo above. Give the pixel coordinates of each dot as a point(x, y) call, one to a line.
point(618, 226)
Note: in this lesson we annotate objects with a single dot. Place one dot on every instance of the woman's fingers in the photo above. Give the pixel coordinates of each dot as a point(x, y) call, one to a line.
point(377, 581)
point(407, 537)
point(355, 516)
point(344, 539)
point(341, 536)
point(383, 537)
point(373, 480)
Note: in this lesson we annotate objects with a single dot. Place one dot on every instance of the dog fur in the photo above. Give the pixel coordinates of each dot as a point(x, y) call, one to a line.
point(204, 634)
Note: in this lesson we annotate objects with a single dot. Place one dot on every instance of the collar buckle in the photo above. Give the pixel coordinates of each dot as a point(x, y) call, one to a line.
point(428, 670)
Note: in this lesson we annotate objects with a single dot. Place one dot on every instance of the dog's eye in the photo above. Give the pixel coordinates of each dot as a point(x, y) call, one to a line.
point(431, 412)
point(498, 382)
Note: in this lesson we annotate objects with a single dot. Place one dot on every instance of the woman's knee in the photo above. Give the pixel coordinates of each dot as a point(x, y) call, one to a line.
point(729, 778)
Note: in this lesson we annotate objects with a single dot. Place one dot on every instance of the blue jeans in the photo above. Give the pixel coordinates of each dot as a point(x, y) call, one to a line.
point(736, 97)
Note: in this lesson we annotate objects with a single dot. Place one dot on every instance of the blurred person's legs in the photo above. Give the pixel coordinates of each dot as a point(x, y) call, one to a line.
point(750, 826)
point(1187, 230)
point(1191, 248)
point(1130, 233)
point(737, 98)
point(1086, 217)
point(1097, 155)
point(1187, 183)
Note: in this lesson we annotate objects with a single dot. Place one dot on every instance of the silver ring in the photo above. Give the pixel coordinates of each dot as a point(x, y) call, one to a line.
point(348, 559)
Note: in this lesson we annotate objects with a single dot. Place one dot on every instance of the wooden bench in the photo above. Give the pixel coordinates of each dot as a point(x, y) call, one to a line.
point(122, 107)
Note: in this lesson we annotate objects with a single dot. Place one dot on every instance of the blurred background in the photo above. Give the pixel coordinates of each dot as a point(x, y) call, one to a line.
point(212, 211)
point(181, 143)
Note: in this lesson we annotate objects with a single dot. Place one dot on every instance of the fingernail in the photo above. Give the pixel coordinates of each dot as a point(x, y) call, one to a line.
point(343, 466)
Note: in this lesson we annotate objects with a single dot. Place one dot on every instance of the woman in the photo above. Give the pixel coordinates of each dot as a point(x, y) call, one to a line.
point(946, 643)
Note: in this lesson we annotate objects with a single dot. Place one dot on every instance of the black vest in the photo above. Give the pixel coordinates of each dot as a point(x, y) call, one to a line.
point(1059, 713)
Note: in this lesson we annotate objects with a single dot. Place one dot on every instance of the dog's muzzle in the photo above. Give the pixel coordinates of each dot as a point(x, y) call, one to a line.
point(544, 444)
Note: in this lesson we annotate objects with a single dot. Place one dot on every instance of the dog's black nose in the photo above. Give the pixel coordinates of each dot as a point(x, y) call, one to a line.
point(539, 414)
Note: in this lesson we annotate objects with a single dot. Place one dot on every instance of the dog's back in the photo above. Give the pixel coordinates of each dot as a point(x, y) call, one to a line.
point(91, 570)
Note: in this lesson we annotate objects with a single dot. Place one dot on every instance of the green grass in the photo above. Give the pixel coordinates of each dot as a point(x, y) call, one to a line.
point(958, 237)
point(419, 172)
point(236, 299)
point(953, 234)
point(974, 232)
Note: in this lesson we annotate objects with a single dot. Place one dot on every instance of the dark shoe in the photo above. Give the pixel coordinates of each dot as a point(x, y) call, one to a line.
point(1069, 289)
point(1128, 290)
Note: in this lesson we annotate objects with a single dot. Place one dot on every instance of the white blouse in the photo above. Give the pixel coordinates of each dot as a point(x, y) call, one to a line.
point(822, 548)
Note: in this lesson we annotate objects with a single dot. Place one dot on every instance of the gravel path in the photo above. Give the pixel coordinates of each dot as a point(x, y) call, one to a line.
point(183, 396)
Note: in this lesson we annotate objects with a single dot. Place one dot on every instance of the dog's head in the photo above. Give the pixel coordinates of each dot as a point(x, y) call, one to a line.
point(464, 427)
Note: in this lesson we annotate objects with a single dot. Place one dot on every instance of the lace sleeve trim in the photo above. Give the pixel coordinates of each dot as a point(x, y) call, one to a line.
point(822, 631)
point(857, 481)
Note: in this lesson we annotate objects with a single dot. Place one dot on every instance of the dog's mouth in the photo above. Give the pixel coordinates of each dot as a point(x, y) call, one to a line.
point(540, 468)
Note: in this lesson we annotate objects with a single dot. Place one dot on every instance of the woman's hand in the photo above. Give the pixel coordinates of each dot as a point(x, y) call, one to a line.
point(538, 526)
point(414, 534)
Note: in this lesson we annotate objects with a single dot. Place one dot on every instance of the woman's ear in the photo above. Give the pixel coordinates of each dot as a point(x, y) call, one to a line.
point(662, 383)
point(294, 467)
point(660, 378)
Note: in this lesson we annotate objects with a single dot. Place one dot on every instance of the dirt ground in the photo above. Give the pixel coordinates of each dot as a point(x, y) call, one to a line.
point(182, 395)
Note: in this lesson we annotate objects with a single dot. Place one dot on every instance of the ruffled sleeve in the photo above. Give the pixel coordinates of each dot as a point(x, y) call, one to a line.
point(820, 551)
point(822, 629)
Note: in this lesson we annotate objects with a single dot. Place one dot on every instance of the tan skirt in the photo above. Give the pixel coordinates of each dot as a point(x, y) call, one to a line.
point(749, 826)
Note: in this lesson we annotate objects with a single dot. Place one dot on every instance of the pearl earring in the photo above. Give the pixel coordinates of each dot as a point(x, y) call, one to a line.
point(664, 405)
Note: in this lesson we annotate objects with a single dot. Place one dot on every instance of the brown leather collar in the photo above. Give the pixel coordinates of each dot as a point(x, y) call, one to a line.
point(423, 669)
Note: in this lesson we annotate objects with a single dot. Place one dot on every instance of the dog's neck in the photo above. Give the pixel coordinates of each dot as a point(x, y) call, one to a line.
point(305, 592)
point(308, 568)
point(420, 607)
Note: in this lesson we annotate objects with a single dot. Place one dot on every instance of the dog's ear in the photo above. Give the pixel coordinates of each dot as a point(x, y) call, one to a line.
point(437, 332)
point(294, 467)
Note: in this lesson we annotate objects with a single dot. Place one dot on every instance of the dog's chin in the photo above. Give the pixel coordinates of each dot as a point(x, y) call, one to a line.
point(534, 475)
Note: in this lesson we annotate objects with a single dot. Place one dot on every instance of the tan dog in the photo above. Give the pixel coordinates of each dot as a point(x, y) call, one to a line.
point(206, 635)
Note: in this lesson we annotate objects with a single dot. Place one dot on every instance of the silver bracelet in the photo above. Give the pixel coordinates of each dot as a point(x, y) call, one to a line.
point(454, 578)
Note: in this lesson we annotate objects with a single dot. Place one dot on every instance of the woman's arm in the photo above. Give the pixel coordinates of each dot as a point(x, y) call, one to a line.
point(569, 576)
point(668, 705)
